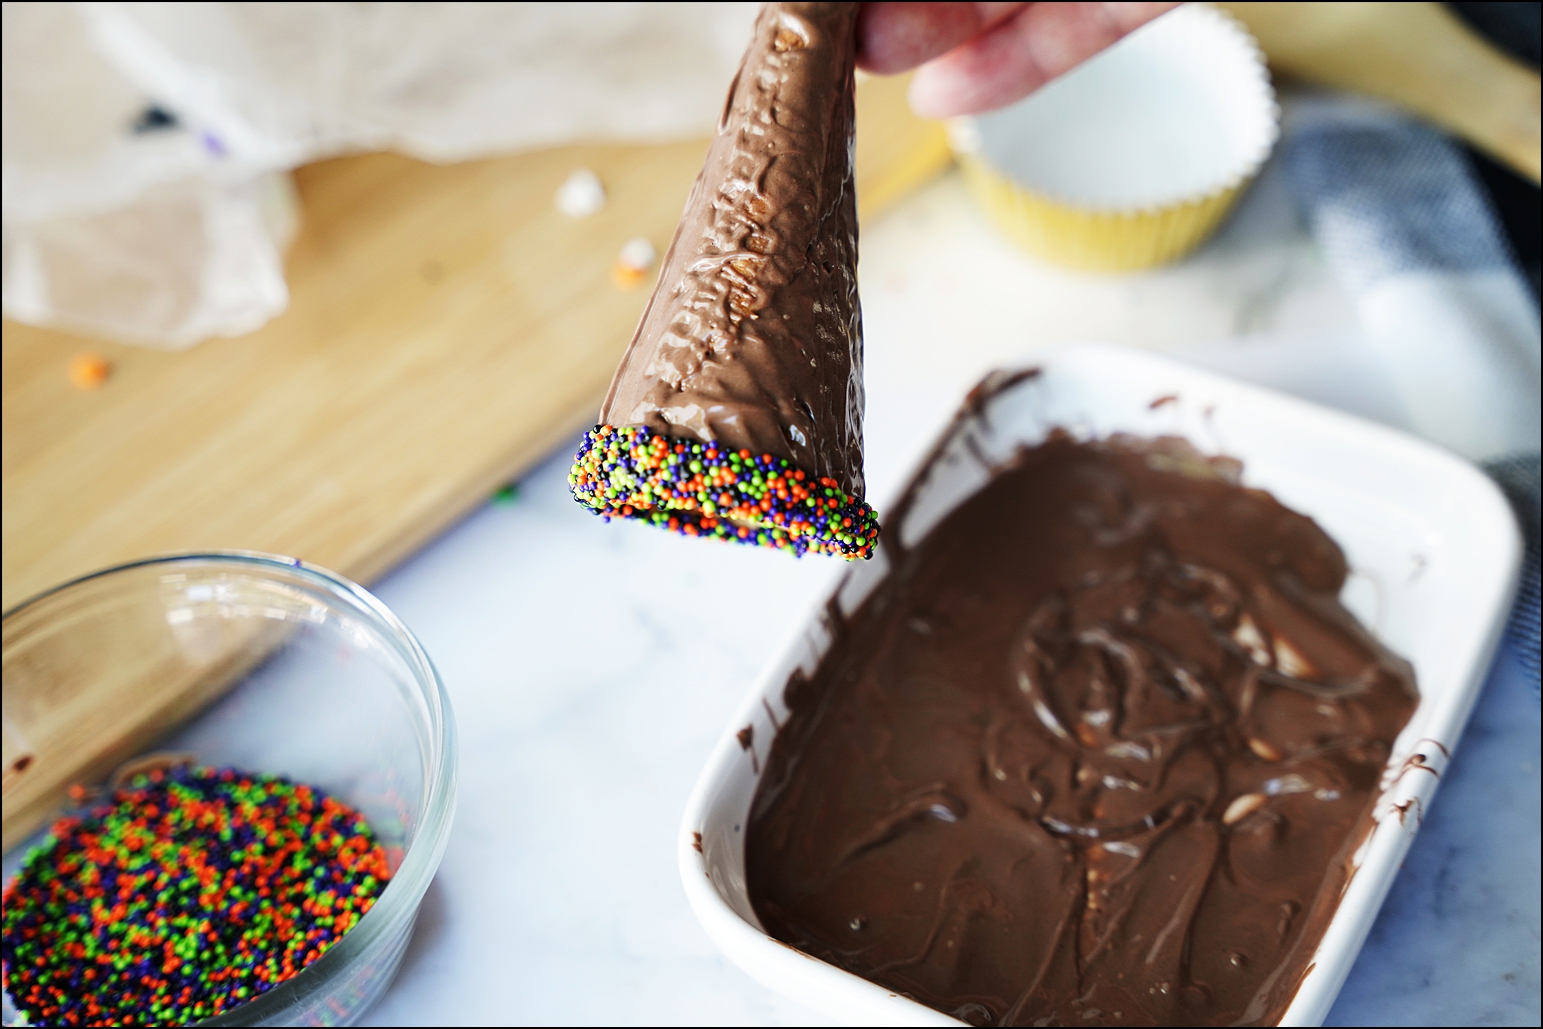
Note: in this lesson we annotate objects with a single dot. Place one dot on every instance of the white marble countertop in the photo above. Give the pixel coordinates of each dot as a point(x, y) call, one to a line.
point(558, 900)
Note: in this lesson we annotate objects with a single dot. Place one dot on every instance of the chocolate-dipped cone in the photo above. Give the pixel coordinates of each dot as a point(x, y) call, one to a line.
point(747, 363)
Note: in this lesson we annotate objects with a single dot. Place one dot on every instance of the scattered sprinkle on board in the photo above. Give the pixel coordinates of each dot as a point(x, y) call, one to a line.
point(633, 263)
point(581, 194)
point(88, 371)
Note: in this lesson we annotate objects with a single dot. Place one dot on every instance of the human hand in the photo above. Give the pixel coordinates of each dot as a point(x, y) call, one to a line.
point(978, 56)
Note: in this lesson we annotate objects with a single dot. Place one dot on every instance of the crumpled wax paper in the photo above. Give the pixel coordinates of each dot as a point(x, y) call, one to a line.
point(146, 146)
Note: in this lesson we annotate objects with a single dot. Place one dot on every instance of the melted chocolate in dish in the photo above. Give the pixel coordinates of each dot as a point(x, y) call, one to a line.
point(1096, 752)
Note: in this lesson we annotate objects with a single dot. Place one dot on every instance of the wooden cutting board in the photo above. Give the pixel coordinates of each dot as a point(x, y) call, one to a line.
point(1418, 55)
point(447, 329)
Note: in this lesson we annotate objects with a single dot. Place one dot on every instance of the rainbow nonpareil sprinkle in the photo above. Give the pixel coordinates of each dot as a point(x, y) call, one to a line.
point(701, 489)
point(185, 894)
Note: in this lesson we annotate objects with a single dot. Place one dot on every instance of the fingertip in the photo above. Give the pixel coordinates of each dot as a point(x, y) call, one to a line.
point(984, 74)
point(895, 37)
point(934, 92)
point(1037, 43)
point(886, 37)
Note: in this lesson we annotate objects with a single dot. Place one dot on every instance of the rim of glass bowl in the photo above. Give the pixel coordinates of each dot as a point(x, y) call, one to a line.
point(419, 863)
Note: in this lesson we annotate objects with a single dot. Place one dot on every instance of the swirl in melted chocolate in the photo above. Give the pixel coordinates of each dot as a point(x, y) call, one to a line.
point(753, 336)
point(1095, 752)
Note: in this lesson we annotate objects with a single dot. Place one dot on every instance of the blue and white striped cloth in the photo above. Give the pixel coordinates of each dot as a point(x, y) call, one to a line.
point(1410, 234)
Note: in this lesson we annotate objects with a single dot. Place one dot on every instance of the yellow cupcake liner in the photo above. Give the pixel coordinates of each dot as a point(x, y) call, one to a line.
point(1090, 240)
point(1091, 189)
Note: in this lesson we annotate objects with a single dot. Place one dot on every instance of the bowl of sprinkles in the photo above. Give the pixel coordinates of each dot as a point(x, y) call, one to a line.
point(229, 779)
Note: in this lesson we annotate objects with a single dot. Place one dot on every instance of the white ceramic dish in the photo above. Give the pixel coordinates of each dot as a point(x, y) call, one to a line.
point(1434, 552)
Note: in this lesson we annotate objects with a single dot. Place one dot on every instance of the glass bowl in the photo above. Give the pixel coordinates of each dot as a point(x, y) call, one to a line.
point(262, 663)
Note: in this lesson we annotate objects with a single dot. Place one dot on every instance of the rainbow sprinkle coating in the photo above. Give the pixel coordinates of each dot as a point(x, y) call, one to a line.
point(699, 489)
point(185, 894)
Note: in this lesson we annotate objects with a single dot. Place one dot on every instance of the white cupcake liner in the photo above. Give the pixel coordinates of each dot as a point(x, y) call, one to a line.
point(1133, 157)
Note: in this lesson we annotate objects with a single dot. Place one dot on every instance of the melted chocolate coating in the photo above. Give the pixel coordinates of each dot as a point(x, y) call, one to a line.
point(1095, 752)
point(753, 336)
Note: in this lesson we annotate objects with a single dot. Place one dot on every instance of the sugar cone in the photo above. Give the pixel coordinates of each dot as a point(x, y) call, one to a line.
point(747, 362)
